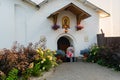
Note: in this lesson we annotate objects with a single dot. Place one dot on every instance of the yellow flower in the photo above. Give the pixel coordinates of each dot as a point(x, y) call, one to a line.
point(53, 65)
point(42, 52)
point(31, 65)
point(48, 50)
point(44, 59)
point(49, 57)
point(38, 51)
point(54, 52)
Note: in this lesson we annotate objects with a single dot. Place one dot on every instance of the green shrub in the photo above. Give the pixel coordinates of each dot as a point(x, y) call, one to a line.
point(93, 55)
point(106, 56)
point(46, 65)
point(26, 74)
point(101, 62)
point(36, 69)
point(117, 68)
point(20, 65)
point(13, 74)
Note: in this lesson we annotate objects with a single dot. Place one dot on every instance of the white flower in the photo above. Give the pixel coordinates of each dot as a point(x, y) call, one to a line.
point(43, 68)
point(42, 61)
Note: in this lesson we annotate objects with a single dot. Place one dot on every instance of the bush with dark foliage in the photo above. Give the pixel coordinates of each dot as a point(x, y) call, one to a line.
point(106, 56)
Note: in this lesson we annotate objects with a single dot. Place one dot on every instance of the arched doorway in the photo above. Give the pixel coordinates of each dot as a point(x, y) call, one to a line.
point(62, 44)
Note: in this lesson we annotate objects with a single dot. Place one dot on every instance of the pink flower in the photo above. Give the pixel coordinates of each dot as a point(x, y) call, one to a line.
point(55, 27)
point(79, 27)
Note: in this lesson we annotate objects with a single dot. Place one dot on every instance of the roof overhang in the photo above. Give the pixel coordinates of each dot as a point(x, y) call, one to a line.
point(100, 11)
point(29, 1)
point(36, 4)
point(74, 9)
point(37, 1)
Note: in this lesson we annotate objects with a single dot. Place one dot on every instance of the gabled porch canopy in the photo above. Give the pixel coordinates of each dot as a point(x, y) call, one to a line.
point(80, 14)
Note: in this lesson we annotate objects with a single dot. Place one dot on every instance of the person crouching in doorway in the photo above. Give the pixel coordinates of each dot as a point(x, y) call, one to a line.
point(70, 52)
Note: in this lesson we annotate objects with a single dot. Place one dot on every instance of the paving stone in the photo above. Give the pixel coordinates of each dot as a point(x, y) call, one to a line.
point(83, 71)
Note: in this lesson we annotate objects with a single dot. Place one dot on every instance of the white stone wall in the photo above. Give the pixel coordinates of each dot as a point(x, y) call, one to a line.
point(105, 23)
point(22, 22)
point(6, 23)
point(115, 14)
point(110, 25)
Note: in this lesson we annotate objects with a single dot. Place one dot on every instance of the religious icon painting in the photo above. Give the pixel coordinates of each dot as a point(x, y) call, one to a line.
point(65, 22)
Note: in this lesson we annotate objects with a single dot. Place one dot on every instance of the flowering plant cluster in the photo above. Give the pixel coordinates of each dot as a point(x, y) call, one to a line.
point(79, 27)
point(55, 27)
point(19, 63)
point(107, 56)
point(47, 59)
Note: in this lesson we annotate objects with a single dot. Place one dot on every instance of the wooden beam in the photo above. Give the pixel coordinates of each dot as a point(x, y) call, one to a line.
point(78, 18)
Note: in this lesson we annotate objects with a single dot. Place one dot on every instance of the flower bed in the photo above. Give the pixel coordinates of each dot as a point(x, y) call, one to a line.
point(26, 62)
point(106, 56)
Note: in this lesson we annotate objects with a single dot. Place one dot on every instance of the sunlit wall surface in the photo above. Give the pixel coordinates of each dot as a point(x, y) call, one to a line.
point(110, 25)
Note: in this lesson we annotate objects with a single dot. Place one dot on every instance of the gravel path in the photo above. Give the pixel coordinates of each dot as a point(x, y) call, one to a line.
point(83, 71)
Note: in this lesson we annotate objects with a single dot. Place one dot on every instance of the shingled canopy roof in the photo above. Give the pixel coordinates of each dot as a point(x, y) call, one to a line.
point(74, 9)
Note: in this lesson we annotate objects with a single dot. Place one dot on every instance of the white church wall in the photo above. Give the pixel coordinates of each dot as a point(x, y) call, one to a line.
point(6, 23)
point(20, 24)
point(105, 23)
point(110, 25)
point(25, 24)
point(11, 28)
point(115, 17)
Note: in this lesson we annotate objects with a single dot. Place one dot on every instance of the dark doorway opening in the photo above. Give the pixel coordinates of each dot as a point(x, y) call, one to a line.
point(62, 44)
